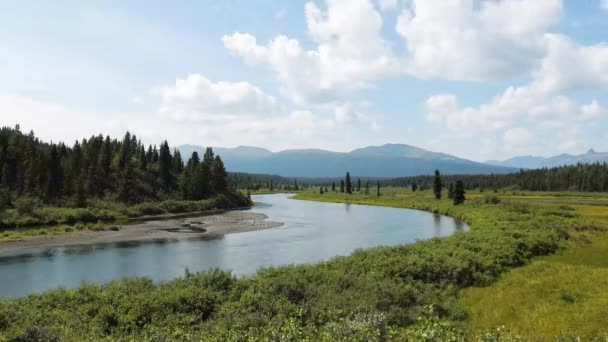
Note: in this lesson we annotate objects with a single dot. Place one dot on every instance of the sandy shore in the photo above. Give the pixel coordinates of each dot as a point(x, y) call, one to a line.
point(159, 230)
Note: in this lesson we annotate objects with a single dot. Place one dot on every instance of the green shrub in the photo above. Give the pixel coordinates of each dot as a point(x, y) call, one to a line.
point(491, 199)
point(25, 205)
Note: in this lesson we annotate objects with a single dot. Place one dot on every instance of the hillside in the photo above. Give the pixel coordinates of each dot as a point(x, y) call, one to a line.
point(390, 160)
point(535, 162)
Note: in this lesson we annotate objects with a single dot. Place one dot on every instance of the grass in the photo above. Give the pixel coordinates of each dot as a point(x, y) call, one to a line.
point(563, 292)
point(557, 295)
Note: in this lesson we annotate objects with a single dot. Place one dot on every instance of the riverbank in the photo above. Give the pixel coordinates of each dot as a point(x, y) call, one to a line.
point(165, 228)
point(406, 292)
point(41, 221)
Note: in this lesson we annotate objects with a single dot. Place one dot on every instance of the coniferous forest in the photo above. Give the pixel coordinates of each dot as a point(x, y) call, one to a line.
point(580, 177)
point(102, 168)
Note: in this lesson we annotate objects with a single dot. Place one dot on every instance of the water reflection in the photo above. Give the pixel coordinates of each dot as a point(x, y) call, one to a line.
point(312, 232)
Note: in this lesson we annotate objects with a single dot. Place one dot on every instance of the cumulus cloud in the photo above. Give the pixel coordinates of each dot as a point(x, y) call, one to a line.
point(568, 65)
point(350, 52)
point(604, 4)
point(515, 103)
point(460, 40)
point(196, 98)
point(518, 137)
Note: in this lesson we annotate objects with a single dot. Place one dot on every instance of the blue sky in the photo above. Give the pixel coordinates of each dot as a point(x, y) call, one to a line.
point(478, 79)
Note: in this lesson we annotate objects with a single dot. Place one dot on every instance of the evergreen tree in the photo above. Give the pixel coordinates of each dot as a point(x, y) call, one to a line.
point(321, 190)
point(349, 185)
point(295, 185)
point(414, 187)
point(437, 185)
point(459, 193)
point(333, 186)
point(220, 176)
point(341, 185)
point(367, 187)
point(55, 174)
point(358, 184)
point(451, 191)
point(378, 189)
point(165, 166)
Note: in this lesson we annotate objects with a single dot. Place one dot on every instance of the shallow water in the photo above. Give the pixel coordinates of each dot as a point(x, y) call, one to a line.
point(313, 231)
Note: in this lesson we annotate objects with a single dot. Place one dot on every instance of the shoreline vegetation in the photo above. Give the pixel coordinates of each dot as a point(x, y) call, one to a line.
point(106, 216)
point(194, 226)
point(407, 292)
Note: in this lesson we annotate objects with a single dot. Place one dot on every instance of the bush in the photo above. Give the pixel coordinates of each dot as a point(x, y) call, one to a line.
point(25, 205)
point(491, 199)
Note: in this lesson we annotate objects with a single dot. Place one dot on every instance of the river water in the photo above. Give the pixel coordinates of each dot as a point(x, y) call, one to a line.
point(313, 231)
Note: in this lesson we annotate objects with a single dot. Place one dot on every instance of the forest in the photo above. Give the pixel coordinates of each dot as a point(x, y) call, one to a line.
point(102, 179)
point(580, 178)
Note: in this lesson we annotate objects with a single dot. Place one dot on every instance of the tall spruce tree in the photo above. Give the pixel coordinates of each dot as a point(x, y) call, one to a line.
point(349, 184)
point(220, 176)
point(437, 186)
point(459, 193)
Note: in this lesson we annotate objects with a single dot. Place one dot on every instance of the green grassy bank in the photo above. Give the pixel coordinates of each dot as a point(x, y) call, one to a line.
point(409, 292)
point(30, 218)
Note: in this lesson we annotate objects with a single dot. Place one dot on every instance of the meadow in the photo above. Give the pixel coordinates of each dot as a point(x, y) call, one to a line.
point(440, 289)
point(564, 294)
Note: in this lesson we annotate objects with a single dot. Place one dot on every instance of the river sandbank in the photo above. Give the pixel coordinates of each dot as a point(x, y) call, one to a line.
point(154, 230)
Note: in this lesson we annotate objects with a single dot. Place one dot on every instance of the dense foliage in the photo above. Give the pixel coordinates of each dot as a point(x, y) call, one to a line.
point(581, 177)
point(387, 293)
point(99, 167)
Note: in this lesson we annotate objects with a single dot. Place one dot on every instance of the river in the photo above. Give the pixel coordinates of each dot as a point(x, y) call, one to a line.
point(313, 231)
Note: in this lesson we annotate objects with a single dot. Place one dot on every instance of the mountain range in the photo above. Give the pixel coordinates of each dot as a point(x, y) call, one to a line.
point(390, 160)
point(535, 162)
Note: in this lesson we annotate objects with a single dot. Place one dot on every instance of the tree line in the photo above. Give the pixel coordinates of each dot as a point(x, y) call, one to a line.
point(105, 168)
point(579, 177)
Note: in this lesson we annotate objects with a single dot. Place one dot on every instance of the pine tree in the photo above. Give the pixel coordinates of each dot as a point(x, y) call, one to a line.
point(367, 187)
point(165, 165)
point(414, 187)
point(321, 190)
point(219, 175)
point(341, 185)
point(378, 189)
point(459, 193)
point(358, 184)
point(55, 174)
point(451, 191)
point(349, 185)
point(333, 186)
point(437, 185)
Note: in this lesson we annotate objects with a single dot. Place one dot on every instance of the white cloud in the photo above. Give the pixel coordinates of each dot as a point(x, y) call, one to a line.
point(289, 129)
point(388, 5)
point(196, 98)
point(604, 4)
point(460, 40)
point(568, 65)
point(518, 137)
point(350, 52)
point(593, 111)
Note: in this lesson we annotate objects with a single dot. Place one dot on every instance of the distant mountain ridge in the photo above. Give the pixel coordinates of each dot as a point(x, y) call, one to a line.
point(535, 162)
point(386, 161)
